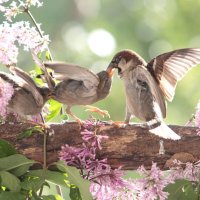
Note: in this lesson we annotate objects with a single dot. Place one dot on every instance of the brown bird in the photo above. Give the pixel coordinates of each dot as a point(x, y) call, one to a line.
point(28, 98)
point(77, 86)
point(148, 84)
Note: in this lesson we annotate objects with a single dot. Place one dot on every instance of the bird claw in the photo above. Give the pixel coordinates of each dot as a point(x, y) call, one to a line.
point(190, 121)
point(119, 124)
point(79, 121)
point(103, 113)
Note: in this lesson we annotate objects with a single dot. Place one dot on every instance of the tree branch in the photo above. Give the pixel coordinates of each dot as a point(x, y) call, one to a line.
point(128, 147)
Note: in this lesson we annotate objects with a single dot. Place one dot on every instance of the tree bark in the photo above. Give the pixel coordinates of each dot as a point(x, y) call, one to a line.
point(127, 147)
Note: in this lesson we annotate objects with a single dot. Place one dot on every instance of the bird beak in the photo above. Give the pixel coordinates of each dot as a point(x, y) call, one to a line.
point(110, 70)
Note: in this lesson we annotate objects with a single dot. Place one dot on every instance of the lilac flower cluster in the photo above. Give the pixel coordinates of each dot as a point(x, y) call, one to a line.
point(189, 171)
point(151, 186)
point(104, 180)
point(6, 92)
point(22, 34)
point(16, 7)
point(90, 136)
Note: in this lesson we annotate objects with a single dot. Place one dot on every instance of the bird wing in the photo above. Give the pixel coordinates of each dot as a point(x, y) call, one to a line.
point(144, 76)
point(47, 77)
point(64, 71)
point(28, 83)
point(169, 68)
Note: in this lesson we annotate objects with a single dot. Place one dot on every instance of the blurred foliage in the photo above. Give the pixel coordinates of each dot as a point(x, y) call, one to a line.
point(149, 27)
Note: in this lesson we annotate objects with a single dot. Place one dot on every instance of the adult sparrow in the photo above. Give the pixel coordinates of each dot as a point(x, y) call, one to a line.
point(148, 84)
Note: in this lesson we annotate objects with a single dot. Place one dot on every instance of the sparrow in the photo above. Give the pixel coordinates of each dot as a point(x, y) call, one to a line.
point(28, 98)
point(148, 85)
point(78, 85)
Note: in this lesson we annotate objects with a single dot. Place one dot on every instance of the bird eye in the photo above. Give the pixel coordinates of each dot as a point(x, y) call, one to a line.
point(117, 60)
point(119, 70)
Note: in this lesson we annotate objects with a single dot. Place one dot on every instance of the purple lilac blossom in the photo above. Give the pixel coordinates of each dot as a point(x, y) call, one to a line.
point(6, 92)
point(189, 171)
point(103, 178)
point(19, 33)
point(15, 8)
point(151, 186)
point(197, 119)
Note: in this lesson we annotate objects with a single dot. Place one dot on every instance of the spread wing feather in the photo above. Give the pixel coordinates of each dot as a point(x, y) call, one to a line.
point(169, 68)
point(64, 71)
point(28, 83)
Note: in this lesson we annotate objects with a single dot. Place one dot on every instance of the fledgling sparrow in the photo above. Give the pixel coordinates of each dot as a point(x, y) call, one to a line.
point(78, 85)
point(28, 98)
point(148, 84)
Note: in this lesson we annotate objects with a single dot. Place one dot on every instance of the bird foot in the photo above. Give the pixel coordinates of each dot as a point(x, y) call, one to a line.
point(151, 124)
point(190, 121)
point(119, 124)
point(103, 113)
point(124, 124)
point(78, 120)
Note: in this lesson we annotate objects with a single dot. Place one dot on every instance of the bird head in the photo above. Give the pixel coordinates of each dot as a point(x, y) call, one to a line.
point(125, 59)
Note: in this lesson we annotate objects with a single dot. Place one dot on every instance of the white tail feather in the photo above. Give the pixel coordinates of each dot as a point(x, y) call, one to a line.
point(165, 132)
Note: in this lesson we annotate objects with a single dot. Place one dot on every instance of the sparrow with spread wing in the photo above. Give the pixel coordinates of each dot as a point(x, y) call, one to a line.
point(79, 86)
point(148, 84)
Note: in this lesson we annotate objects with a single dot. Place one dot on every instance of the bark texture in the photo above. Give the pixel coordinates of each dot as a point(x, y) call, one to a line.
point(128, 147)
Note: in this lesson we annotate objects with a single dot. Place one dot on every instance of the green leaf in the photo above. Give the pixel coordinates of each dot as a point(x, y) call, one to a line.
point(54, 109)
point(57, 178)
point(19, 171)
point(47, 55)
point(37, 70)
point(28, 132)
point(35, 196)
point(52, 197)
point(10, 181)
point(14, 161)
point(6, 149)
point(11, 196)
point(32, 183)
point(64, 117)
point(34, 73)
point(76, 179)
point(181, 189)
point(131, 174)
point(75, 193)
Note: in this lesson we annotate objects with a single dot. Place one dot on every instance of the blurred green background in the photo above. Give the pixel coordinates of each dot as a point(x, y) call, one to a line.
point(90, 32)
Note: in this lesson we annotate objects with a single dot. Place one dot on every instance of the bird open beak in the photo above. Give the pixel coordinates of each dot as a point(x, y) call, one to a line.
point(110, 70)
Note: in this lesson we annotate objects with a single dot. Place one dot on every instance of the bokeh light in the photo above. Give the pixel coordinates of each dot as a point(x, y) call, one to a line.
point(101, 42)
point(75, 37)
point(93, 7)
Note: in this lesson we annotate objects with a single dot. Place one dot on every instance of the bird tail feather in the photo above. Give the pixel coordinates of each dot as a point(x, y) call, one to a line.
point(165, 132)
